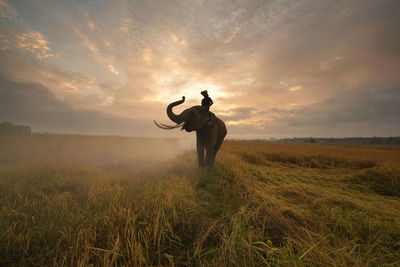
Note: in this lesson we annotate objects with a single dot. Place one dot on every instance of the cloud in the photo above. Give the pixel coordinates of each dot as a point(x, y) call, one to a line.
point(34, 42)
point(237, 114)
point(30, 41)
point(126, 25)
point(95, 29)
point(358, 113)
point(34, 104)
point(371, 106)
point(97, 54)
point(295, 88)
point(7, 11)
point(70, 87)
point(91, 46)
point(271, 67)
point(148, 55)
point(232, 35)
point(5, 44)
point(178, 40)
point(112, 69)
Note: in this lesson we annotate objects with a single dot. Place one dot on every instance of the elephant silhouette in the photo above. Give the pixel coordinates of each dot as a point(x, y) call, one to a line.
point(210, 130)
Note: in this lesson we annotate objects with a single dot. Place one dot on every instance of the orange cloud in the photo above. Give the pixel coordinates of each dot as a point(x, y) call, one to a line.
point(148, 55)
point(295, 88)
point(112, 69)
point(34, 42)
point(178, 40)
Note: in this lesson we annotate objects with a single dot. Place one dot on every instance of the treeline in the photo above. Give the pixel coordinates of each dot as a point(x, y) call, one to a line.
point(8, 128)
point(350, 140)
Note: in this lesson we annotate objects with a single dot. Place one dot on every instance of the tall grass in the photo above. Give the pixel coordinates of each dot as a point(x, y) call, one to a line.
point(254, 211)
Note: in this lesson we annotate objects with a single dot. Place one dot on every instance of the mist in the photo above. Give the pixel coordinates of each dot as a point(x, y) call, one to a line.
point(108, 153)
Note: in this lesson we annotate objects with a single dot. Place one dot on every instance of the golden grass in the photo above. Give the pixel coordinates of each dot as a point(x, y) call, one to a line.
point(252, 209)
point(334, 155)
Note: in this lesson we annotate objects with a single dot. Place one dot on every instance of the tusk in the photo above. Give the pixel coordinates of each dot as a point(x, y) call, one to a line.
point(173, 127)
point(162, 127)
point(168, 127)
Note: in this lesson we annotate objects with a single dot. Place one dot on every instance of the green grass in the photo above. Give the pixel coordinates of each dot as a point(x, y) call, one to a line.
point(261, 205)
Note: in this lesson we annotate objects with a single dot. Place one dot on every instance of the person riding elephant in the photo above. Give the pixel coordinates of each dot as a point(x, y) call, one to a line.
point(207, 101)
point(209, 137)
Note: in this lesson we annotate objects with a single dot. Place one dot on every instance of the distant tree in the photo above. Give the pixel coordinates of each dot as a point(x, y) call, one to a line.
point(8, 128)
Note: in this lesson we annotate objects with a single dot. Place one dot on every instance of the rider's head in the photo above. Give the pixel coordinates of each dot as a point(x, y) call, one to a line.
point(204, 93)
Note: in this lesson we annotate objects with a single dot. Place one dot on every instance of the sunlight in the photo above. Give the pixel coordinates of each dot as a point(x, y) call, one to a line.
point(177, 84)
point(192, 91)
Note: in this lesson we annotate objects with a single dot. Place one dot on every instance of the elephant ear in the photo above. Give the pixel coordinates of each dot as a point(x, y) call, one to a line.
point(197, 119)
point(200, 118)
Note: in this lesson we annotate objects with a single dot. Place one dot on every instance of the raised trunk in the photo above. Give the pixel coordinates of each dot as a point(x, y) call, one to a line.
point(172, 115)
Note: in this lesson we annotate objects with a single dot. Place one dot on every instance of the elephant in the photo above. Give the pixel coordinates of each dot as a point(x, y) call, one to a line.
point(210, 130)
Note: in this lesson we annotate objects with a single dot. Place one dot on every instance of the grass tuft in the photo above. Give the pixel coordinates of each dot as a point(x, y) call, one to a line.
point(382, 180)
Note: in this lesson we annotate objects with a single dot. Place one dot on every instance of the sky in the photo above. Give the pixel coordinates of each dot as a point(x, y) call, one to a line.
point(274, 69)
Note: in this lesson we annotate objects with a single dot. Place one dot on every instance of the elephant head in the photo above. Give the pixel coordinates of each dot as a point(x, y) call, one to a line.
point(191, 119)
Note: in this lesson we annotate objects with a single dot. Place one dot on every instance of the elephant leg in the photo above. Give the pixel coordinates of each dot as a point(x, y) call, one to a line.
point(200, 155)
point(213, 158)
point(217, 146)
point(210, 155)
point(200, 152)
point(216, 149)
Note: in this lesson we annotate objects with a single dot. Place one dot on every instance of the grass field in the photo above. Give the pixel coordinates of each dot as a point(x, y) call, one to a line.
point(81, 201)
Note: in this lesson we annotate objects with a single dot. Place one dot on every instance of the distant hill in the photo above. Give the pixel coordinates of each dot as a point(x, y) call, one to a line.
point(8, 128)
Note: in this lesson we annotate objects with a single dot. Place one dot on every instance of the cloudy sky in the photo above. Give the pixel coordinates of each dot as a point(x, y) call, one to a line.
point(273, 68)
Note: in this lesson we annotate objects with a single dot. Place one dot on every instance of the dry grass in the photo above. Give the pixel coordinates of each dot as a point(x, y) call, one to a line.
point(329, 155)
point(263, 204)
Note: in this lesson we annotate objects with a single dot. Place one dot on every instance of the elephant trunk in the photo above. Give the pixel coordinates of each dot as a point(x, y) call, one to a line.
point(173, 117)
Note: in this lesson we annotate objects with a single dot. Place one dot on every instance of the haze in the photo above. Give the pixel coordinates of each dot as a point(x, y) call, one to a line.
point(123, 155)
point(273, 68)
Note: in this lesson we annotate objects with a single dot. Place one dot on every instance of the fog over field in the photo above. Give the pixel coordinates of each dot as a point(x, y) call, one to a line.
point(273, 68)
point(110, 154)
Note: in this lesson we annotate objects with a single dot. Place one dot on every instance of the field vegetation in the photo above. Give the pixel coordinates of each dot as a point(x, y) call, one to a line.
point(79, 201)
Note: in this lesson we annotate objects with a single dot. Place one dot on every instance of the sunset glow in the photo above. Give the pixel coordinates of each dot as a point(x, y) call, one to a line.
point(272, 68)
